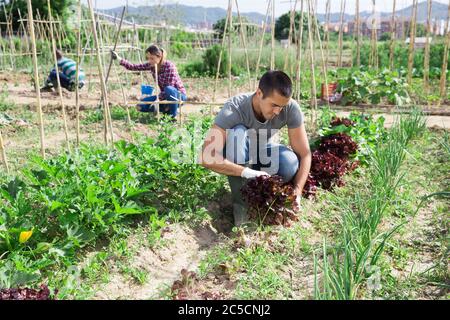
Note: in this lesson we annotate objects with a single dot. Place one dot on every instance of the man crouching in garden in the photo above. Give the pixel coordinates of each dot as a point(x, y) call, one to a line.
point(240, 143)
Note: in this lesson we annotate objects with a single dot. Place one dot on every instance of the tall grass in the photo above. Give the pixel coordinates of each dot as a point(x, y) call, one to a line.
point(348, 265)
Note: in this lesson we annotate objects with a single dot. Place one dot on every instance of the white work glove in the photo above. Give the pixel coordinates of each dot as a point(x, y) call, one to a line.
point(250, 173)
point(297, 202)
point(115, 56)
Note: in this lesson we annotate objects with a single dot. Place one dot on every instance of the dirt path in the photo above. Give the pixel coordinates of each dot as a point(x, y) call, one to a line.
point(184, 249)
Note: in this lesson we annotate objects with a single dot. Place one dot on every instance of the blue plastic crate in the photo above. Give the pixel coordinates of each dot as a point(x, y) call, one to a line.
point(145, 89)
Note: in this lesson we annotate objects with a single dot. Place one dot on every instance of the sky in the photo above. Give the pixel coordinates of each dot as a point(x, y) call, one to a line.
point(281, 6)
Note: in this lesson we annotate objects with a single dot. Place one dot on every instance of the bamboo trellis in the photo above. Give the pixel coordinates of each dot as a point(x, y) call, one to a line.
point(412, 40)
point(54, 32)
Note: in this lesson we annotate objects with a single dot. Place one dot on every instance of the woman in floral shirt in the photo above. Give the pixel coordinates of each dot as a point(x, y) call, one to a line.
point(169, 80)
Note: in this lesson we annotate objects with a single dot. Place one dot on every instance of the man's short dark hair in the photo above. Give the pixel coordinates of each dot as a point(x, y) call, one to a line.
point(59, 54)
point(275, 80)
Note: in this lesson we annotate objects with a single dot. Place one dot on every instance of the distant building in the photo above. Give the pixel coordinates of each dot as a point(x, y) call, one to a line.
point(383, 26)
point(419, 42)
point(402, 26)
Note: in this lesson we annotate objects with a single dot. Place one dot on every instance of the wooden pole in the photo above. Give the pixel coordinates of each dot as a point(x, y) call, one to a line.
point(313, 78)
point(58, 80)
point(27, 43)
point(220, 55)
point(299, 53)
point(327, 31)
point(102, 45)
point(443, 86)
point(101, 75)
point(272, 53)
point(77, 89)
point(36, 76)
point(156, 92)
point(393, 31)
point(412, 40)
point(358, 35)
point(136, 35)
point(244, 43)
point(108, 40)
point(10, 36)
point(38, 26)
point(2, 49)
point(3, 153)
point(291, 24)
point(341, 29)
point(426, 62)
point(230, 33)
point(324, 66)
point(262, 42)
point(115, 44)
point(374, 51)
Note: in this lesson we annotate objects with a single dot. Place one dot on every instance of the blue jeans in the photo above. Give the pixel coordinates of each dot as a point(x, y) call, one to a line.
point(64, 80)
point(272, 158)
point(171, 94)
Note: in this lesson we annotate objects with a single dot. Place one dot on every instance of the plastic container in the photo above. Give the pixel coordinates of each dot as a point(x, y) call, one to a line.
point(146, 90)
point(329, 91)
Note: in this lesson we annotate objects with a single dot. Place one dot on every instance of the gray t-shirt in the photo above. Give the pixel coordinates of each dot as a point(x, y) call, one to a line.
point(239, 110)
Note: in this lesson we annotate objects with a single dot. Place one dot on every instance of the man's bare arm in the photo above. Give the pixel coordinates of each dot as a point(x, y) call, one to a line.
point(211, 155)
point(298, 140)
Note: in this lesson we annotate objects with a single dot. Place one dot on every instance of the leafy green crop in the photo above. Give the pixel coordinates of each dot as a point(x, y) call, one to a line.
point(362, 86)
point(57, 206)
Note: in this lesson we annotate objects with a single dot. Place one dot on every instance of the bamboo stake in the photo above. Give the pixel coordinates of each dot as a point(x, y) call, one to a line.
point(230, 24)
point(36, 76)
point(100, 34)
point(374, 53)
point(443, 86)
point(358, 35)
point(156, 92)
point(244, 43)
point(272, 54)
point(124, 97)
point(58, 33)
point(220, 55)
point(292, 64)
point(2, 49)
point(83, 55)
point(136, 36)
point(341, 29)
point(393, 30)
point(27, 43)
point(262, 42)
point(313, 78)
point(100, 37)
point(10, 36)
point(291, 23)
point(299, 54)
point(43, 27)
point(324, 66)
point(412, 40)
point(100, 71)
point(77, 89)
point(327, 31)
point(3, 153)
point(115, 44)
point(58, 80)
point(426, 62)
